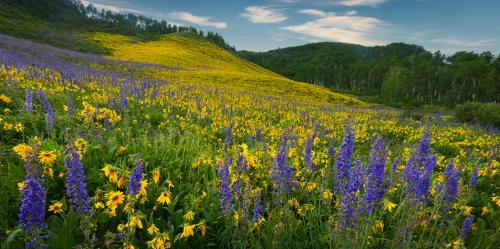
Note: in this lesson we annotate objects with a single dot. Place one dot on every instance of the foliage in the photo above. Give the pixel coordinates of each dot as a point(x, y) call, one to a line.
point(483, 113)
point(431, 78)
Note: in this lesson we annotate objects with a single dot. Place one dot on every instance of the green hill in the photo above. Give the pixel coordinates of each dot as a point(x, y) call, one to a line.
point(399, 72)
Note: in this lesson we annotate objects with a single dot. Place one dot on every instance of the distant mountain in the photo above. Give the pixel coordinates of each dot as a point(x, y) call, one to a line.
point(398, 72)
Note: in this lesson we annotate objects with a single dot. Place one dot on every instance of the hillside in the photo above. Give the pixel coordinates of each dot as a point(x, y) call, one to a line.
point(200, 62)
point(398, 72)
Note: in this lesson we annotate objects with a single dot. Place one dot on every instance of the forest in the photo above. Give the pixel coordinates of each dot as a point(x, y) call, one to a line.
point(397, 72)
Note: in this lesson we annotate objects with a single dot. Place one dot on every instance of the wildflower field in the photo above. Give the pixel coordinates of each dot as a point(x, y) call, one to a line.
point(176, 143)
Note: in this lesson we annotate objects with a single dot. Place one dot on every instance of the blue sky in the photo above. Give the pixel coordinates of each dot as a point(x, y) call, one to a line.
point(446, 25)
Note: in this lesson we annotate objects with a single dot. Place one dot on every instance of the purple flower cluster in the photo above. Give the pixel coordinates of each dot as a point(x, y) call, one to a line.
point(308, 146)
point(28, 101)
point(75, 183)
point(281, 173)
point(473, 178)
point(344, 158)
point(375, 187)
point(227, 141)
point(466, 227)
point(424, 179)
point(225, 190)
point(257, 206)
point(418, 171)
point(241, 166)
point(348, 201)
point(47, 108)
point(134, 185)
point(257, 134)
point(32, 209)
point(451, 179)
point(123, 100)
point(71, 107)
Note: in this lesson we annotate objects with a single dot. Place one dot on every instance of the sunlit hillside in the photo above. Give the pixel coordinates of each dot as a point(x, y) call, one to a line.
point(192, 60)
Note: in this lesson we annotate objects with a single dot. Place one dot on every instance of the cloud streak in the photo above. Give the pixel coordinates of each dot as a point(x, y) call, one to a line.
point(113, 8)
point(199, 20)
point(360, 2)
point(342, 27)
point(263, 14)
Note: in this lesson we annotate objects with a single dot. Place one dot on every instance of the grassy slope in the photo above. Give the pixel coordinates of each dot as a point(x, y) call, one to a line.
point(205, 63)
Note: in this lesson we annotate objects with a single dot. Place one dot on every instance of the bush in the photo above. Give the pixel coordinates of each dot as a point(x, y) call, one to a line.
point(483, 113)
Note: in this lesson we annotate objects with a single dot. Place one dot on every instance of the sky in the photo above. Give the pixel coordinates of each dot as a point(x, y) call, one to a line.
point(445, 25)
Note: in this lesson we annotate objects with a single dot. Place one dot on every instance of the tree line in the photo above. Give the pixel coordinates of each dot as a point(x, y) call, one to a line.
point(397, 73)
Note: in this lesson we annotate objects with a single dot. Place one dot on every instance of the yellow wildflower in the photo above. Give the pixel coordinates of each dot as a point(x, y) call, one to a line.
point(47, 157)
point(164, 198)
point(19, 127)
point(56, 208)
point(153, 229)
point(99, 205)
point(189, 216)
point(5, 99)
point(115, 198)
point(378, 225)
point(20, 186)
point(327, 195)
point(484, 211)
point(188, 231)
point(22, 150)
point(156, 175)
point(7, 126)
point(388, 205)
point(110, 173)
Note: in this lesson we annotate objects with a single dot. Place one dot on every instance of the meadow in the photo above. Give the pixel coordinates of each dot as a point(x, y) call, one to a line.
point(176, 143)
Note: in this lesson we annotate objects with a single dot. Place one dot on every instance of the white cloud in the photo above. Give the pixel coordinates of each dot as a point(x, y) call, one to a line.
point(263, 14)
point(360, 2)
point(199, 20)
point(112, 8)
point(343, 27)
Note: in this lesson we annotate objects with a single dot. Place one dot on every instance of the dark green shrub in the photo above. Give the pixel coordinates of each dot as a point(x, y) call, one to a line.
point(483, 113)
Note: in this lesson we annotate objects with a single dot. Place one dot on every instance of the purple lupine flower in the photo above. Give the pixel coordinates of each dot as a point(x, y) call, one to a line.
point(47, 108)
point(257, 134)
point(257, 206)
point(227, 141)
point(123, 100)
point(281, 173)
point(451, 178)
point(246, 201)
point(344, 158)
point(32, 209)
point(241, 166)
point(308, 146)
point(424, 179)
point(347, 202)
point(395, 164)
point(417, 160)
point(225, 190)
point(331, 151)
point(466, 227)
point(134, 185)
point(71, 107)
point(75, 183)
point(473, 178)
point(28, 101)
point(375, 187)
